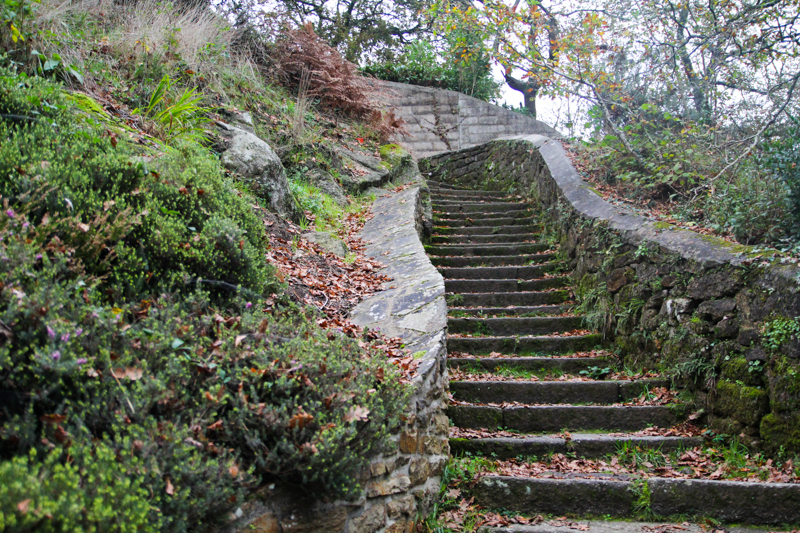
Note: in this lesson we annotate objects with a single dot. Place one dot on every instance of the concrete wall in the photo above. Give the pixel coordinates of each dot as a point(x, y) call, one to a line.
point(721, 319)
point(439, 121)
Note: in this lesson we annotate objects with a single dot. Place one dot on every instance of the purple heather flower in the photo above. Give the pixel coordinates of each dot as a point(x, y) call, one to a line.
point(65, 337)
point(11, 213)
point(38, 256)
point(78, 332)
point(81, 361)
point(51, 333)
point(56, 355)
point(248, 305)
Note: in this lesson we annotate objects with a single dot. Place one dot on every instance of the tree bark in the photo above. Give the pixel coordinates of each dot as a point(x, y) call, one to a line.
point(528, 89)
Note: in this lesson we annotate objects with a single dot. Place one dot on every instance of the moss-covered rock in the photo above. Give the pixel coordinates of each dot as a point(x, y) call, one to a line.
point(737, 368)
point(740, 402)
point(781, 431)
point(784, 385)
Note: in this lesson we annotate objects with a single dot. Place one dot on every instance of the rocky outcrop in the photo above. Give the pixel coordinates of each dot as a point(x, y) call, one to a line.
point(255, 161)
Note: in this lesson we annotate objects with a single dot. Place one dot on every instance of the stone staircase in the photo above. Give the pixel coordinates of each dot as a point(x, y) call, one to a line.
point(515, 351)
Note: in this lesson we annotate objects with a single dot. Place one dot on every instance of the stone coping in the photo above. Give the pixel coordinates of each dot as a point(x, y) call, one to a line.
point(688, 244)
point(411, 306)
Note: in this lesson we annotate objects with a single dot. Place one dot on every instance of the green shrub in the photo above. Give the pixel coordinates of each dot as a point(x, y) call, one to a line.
point(782, 157)
point(422, 64)
point(121, 339)
point(91, 492)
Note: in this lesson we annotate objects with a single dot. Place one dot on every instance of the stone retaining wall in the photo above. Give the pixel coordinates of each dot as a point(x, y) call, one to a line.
point(719, 319)
point(398, 488)
point(439, 120)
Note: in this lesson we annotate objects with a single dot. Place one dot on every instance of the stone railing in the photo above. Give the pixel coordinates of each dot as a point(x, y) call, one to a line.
point(398, 488)
point(438, 120)
point(715, 316)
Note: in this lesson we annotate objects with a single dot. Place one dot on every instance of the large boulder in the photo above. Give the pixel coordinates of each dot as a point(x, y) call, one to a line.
point(324, 182)
point(253, 159)
point(327, 242)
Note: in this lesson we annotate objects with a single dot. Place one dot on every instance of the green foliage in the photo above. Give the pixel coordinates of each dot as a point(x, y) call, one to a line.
point(783, 159)
point(176, 116)
point(16, 16)
point(126, 341)
point(596, 372)
point(460, 69)
point(778, 331)
point(93, 491)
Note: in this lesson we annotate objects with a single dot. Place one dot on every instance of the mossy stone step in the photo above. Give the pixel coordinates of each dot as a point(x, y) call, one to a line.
point(507, 218)
point(504, 285)
point(481, 250)
point(550, 392)
point(522, 345)
point(588, 445)
point(555, 418)
point(484, 230)
point(432, 184)
point(497, 299)
point(503, 272)
point(496, 260)
point(569, 365)
point(440, 199)
point(520, 310)
point(607, 495)
point(514, 325)
point(481, 239)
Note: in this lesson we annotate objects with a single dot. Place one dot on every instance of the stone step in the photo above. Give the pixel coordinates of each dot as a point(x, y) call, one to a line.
point(588, 445)
point(507, 218)
point(449, 194)
point(491, 239)
point(522, 345)
point(498, 299)
point(447, 199)
point(727, 501)
point(481, 250)
point(441, 185)
point(533, 310)
point(481, 208)
point(509, 272)
point(568, 365)
point(551, 392)
point(555, 418)
point(484, 230)
point(540, 325)
point(504, 285)
point(617, 526)
point(496, 260)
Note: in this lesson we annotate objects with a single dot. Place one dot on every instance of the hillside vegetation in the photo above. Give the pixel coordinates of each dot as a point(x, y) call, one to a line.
point(155, 368)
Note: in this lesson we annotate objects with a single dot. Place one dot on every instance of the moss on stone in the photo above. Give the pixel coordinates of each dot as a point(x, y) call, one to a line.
point(740, 402)
point(781, 431)
point(784, 381)
point(662, 225)
point(737, 368)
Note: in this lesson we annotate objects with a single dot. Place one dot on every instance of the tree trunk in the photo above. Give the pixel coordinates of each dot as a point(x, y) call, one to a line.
point(529, 89)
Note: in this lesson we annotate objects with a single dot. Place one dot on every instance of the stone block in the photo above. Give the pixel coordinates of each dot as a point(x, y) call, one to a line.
point(418, 470)
point(266, 523)
point(403, 506)
point(369, 521)
point(401, 526)
point(409, 441)
point(716, 309)
point(740, 402)
point(331, 520)
point(393, 485)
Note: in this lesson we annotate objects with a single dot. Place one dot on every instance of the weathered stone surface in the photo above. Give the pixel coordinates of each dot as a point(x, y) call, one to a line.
point(716, 309)
point(370, 520)
point(325, 183)
point(403, 506)
point(747, 404)
point(253, 159)
point(331, 520)
point(752, 503)
point(618, 278)
point(327, 242)
point(556, 496)
point(610, 526)
point(393, 485)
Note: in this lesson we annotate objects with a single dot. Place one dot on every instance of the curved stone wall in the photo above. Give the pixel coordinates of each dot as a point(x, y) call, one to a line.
point(397, 488)
point(720, 319)
point(439, 121)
